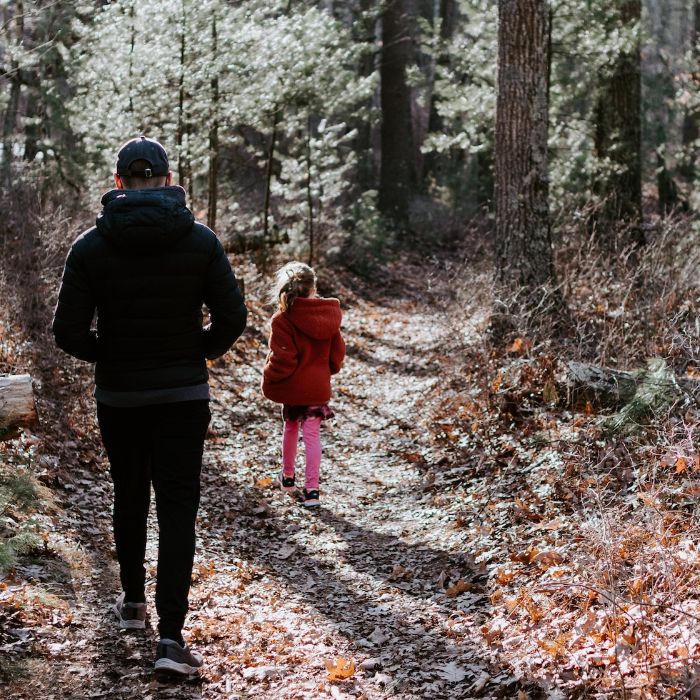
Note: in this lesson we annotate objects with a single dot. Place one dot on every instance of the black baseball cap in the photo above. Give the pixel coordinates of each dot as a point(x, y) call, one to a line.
point(143, 148)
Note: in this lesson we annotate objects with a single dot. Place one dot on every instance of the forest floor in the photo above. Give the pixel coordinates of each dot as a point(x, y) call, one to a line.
point(430, 571)
point(280, 592)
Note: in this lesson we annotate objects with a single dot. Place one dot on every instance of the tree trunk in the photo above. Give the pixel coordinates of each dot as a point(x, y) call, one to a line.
point(447, 16)
point(691, 118)
point(180, 136)
point(524, 248)
point(132, 45)
point(309, 197)
point(666, 186)
point(448, 22)
point(363, 140)
point(11, 112)
point(268, 172)
point(618, 135)
point(17, 407)
point(32, 125)
point(396, 179)
point(213, 138)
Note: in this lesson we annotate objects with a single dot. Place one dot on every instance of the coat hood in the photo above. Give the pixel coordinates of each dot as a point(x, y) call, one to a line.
point(145, 221)
point(315, 317)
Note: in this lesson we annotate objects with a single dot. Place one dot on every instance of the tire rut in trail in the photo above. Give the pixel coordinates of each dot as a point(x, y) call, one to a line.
point(362, 577)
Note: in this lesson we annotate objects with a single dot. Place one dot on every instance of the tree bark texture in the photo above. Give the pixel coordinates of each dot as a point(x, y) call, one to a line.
point(582, 386)
point(213, 139)
point(691, 118)
point(180, 136)
point(618, 131)
point(12, 110)
point(17, 406)
point(524, 248)
point(396, 181)
point(132, 45)
point(363, 141)
point(309, 197)
point(268, 172)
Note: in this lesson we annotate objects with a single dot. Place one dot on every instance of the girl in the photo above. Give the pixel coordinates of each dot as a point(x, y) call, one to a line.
point(306, 348)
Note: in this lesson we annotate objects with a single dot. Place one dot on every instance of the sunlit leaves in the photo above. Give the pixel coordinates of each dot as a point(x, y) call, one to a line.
point(340, 669)
point(269, 62)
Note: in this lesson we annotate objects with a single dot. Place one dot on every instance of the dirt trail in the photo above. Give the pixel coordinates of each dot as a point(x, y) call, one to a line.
point(279, 590)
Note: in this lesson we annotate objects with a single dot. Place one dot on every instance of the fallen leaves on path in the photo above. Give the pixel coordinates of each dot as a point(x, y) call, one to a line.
point(340, 669)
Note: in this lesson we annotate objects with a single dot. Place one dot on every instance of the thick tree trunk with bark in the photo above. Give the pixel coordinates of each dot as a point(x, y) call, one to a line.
point(524, 248)
point(397, 179)
point(618, 134)
point(17, 407)
point(363, 142)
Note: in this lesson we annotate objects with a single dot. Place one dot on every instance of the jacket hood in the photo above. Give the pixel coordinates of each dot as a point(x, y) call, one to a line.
point(145, 221)
point(315, 317)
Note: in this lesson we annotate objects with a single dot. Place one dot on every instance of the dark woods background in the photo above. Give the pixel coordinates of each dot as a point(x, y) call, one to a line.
point(549, 146)
point(338, 123)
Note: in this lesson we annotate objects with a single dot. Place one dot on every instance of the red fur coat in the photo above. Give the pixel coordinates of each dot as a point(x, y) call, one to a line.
point(306, 348)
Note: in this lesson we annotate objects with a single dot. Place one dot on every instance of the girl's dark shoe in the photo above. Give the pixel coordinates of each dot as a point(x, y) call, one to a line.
point(311, 499)
point(286, 482)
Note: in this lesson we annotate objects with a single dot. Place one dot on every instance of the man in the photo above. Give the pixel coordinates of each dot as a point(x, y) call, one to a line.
point(146, 268)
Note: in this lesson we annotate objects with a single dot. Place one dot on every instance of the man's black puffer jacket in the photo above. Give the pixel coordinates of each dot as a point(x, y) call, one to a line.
point(147, 267)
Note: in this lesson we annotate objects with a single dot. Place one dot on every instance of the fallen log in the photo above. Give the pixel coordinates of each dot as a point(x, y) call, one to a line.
point(635, 396)
point(626, 399)
point(603, 387)
point(17, 406)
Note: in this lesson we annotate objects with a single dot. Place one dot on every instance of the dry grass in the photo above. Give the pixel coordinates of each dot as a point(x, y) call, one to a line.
point(590, 539)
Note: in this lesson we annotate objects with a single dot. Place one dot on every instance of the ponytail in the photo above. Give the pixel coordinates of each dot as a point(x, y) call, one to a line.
point(294, 280)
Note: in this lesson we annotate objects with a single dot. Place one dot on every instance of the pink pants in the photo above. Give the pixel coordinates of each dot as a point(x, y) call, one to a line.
point(311, 434)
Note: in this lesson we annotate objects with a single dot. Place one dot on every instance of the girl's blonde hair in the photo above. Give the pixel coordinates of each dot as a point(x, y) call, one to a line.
point(294, 280)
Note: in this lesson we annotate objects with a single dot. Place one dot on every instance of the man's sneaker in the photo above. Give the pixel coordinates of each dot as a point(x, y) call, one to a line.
point(132, 616)
point(286, 482)
point(310, 499)
point(175, 660)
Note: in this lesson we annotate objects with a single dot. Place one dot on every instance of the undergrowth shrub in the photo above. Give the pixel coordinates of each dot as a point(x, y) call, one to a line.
point(639, 303)
point(19, 497)
point(35, 231)
point(368, 236)
point(588, 534)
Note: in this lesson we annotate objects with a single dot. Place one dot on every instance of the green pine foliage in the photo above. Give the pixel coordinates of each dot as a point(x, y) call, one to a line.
point(19, 496)
point(77, 79)
point(293, 71)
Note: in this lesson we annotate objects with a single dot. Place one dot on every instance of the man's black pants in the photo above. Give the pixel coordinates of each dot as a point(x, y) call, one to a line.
point(162, 444)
